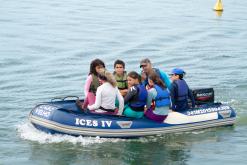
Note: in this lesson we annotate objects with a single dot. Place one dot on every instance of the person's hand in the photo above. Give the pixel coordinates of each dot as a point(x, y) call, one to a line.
point(123, 92)
point(145, 108)
point(170, 110)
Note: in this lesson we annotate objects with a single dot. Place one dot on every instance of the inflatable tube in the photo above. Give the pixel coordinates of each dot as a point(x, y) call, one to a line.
point(66, 118)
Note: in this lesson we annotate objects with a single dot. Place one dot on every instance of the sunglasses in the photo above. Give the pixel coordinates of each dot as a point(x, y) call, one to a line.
point(142, 66)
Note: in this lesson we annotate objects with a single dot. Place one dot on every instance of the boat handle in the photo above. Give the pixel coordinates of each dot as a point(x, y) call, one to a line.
point(66, 97)
point(57, 99)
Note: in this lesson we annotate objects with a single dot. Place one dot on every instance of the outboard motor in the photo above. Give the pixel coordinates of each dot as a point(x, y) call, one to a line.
point(203, 95)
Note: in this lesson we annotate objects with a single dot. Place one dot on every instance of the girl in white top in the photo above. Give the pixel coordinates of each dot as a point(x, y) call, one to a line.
point(106, 95)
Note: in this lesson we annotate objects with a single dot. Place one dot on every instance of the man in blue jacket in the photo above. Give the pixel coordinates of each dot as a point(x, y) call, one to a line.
point(147, 69)
point(180, 91)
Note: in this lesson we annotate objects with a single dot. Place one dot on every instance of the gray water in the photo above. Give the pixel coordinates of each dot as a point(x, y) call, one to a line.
point(46, 48)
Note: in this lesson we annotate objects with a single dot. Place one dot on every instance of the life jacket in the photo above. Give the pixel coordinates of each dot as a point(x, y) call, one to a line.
point(140, 101)
point(94, 84)
point(163, 96)
point(182, 92)
point(121, 81)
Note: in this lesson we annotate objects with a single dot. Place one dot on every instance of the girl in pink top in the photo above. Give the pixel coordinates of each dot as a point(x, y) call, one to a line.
point(92, 82)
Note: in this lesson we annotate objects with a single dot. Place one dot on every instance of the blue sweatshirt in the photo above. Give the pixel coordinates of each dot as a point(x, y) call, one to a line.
point(181, 105)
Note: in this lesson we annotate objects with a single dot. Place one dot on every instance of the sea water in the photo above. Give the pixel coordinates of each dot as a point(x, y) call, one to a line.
point(46, 48)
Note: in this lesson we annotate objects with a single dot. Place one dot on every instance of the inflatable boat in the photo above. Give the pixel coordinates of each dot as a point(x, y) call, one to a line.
point(63, 116)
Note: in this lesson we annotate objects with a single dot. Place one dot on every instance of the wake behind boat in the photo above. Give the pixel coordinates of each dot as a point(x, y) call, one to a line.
point(63, 116)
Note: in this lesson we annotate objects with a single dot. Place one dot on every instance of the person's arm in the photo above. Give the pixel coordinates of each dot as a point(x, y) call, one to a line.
point(172, 95)
point(87, 85)
point(152, 93)
point(191, 98)
point(121, 102)
point(165, 78)
point(97, 103)
point(131, 93)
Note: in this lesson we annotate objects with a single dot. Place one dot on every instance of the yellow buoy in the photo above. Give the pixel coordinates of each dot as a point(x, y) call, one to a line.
point(218, 6)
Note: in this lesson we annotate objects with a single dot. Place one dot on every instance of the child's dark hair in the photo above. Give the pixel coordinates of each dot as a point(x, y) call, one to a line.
point(94, 63)
point(181, 76)
point(156, 79)
point(120, 62)
point(134, 75)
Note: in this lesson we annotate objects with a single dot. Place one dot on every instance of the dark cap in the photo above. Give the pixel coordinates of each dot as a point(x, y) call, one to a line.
point(144, 62)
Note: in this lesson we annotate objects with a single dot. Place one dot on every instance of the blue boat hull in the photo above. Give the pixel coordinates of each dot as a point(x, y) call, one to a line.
point(64, 117)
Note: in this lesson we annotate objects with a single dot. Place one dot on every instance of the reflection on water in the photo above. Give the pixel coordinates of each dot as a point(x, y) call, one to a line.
point(166, 149)
point(218, 13)
point(158, 151)
point(118, 153)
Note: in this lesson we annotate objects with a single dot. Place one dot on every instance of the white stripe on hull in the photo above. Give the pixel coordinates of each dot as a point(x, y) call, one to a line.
point(128, 132)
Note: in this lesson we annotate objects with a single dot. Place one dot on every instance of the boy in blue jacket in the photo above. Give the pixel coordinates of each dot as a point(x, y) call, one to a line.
point(180, 91)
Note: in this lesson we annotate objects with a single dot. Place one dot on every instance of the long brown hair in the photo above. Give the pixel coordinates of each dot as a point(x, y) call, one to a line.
point(94, 63)
point(134, 75)
point(156, 79)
